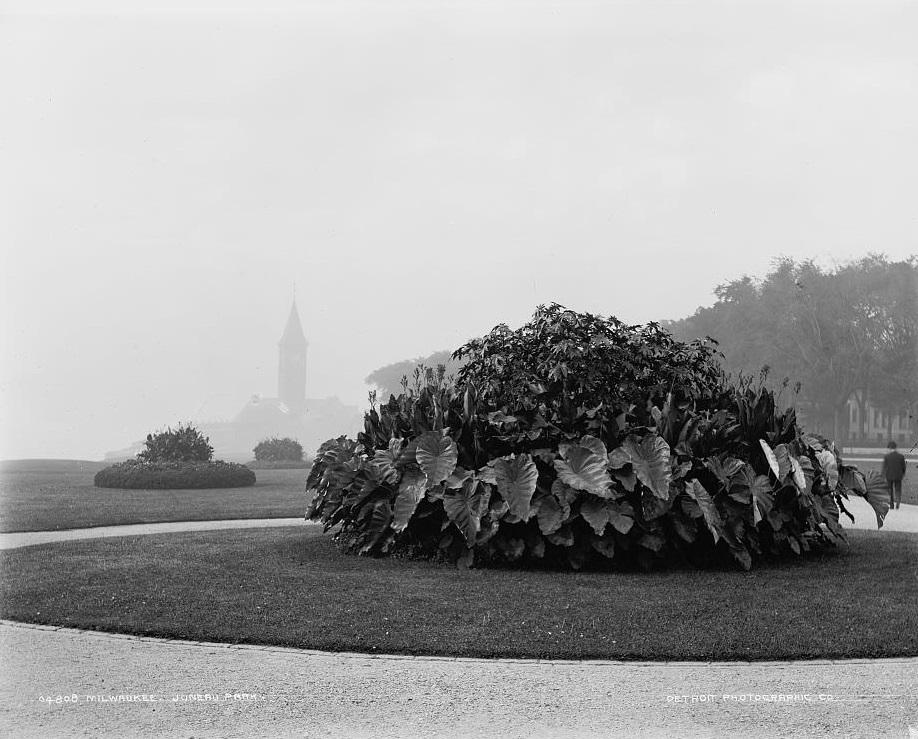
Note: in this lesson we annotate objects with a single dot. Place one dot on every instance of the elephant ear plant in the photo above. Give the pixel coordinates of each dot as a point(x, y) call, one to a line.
point(580, 441)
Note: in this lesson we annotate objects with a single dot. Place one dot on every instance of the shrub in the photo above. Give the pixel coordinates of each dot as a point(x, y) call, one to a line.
point(279, 450)
point(184, 444)
point(140, 474)
point(582, 441)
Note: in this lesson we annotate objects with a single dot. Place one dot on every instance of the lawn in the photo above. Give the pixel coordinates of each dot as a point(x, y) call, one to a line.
point(290, 586)
point(49, 497)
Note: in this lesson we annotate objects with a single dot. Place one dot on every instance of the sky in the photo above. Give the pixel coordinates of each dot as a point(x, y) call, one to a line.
point(417, 172)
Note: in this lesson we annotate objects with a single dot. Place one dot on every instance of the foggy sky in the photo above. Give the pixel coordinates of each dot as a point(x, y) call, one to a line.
point(420, 170)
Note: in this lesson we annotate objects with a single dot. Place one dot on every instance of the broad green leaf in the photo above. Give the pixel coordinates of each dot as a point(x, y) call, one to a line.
point(499, 418)
point(487, 531)
point(629, 481)
point(797, 475)
point(708, 510)
point(877, 494)
point(498, 509)
point(756, 490)
point(605, 544)
point(653, 507)
point(829, 467)
point(516, 477)
point(830, 512)
point(596, 513)
point(772, 459)
point(380, 517)
point(596, 446)
point(459, 476)
point(563, 537)
point(564, 493)
point(785, 461)
point(650, 460)
point(385, 461)
point(653, 542)
point(486, 473)
point(851, 478)
point(466, 506)
point(779, 459)
point(546, 455)
point(723, 471)
point(621, 516)
point(583, 469)
point(436, 456)
point(551, 515)
point(410, 491)
point(618, 458)
point(680, 471)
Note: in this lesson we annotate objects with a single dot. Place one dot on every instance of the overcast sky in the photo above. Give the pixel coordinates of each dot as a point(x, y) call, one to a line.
point(420, 170)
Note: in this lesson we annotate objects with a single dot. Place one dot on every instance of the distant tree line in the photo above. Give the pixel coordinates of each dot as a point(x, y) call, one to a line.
point(849, 331)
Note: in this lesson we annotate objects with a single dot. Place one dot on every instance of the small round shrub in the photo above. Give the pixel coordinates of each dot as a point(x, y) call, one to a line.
point(139, 474)
point(279, 450)
point(184, 444)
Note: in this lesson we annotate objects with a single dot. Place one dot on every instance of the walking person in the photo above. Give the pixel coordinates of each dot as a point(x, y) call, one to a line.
point(893, 470)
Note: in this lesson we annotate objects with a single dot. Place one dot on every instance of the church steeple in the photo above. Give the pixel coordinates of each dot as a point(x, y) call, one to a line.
point(291, 371)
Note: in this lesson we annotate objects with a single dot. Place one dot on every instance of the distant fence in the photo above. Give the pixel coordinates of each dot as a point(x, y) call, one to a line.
point(874, 452)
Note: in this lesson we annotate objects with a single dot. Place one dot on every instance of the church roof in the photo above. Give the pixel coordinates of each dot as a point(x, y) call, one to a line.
point(293, 331)
point(264, 411)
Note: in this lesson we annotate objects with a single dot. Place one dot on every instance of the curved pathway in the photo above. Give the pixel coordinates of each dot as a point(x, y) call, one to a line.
point(115, 685)
point(28, 538)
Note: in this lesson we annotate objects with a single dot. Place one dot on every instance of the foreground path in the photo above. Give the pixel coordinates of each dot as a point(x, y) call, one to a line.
point(274, 692)
point(28, 538)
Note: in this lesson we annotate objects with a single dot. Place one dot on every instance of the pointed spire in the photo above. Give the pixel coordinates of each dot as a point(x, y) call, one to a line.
point(293, 331)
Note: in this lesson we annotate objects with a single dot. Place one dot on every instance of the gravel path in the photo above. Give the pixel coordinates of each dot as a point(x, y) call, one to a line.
point(28, 538)
point(284, 693)
point(121, 686)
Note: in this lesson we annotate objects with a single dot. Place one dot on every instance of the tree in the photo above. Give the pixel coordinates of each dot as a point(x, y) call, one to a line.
point(842, 333)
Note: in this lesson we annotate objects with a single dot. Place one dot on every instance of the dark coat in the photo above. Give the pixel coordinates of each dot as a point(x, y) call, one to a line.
point(893, 466)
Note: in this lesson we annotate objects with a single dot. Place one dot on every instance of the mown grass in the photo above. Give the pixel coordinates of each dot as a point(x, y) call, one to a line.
point(50, 499)
point(291, 586)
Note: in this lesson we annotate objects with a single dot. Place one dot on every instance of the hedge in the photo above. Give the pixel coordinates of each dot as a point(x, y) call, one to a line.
point(140, 475)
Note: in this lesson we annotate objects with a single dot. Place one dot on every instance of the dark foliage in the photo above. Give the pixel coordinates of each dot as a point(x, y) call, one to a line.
point(184, 444)
point(582, 441)
point(139, 474)
point(279, 450)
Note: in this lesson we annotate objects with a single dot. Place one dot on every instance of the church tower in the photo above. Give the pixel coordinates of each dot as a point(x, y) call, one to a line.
point(291, 371)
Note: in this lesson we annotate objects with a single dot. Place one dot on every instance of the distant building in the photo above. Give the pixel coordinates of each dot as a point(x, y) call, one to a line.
point(879, 427)
point(308, 420)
